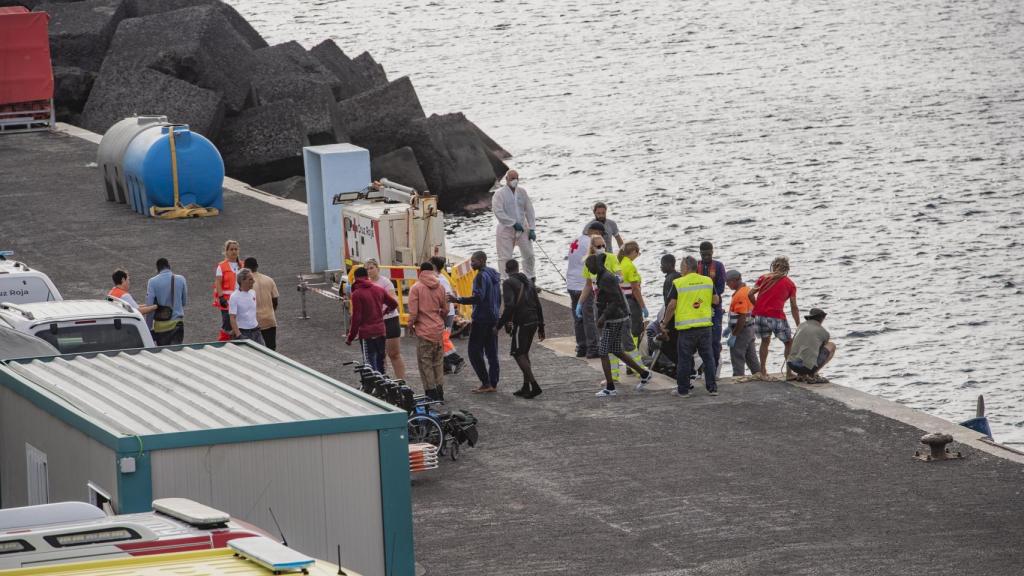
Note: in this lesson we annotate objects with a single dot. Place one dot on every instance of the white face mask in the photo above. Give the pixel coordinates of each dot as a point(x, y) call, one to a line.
point(599, 250)
point(513, 183)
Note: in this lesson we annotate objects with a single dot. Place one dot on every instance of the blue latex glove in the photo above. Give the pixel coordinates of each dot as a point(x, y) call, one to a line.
point(579, 309)
point(532, 235)
point(646, 313)
point(517, 227)
point(732, 341)
point(728, 331)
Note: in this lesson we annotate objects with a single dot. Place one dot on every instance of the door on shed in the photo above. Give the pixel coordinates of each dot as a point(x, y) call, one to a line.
point(38, 476)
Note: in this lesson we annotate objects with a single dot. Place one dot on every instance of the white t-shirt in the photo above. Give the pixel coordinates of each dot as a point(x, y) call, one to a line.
point(448, 290)
point(386, 284)
point(577, 255)
point(243, 306)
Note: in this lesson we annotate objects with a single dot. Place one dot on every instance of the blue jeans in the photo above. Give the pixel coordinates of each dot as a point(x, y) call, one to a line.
point(483, 341)
point(716, 334)
point(687, 342)
point(373, 352)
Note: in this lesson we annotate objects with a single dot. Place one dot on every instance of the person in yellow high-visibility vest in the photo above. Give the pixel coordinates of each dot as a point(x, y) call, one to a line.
point(690, 300)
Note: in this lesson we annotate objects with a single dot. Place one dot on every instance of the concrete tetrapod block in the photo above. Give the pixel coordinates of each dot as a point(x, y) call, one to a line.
point(287, 72)
point(352, 77)
point(80, 32)
point(195, 44)
point(293, 188)
point(399, 166)
point(264, 144)
point(374, 119)
point(138, 8)
point(453, 159)
point(71, 88)
point(118, 94)
point(372, 70)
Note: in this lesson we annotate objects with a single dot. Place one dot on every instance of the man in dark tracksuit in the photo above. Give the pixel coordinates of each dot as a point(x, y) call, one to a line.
point(525, 316)
point(483, 337)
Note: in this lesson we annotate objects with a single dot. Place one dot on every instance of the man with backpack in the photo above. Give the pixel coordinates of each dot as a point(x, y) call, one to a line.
point(523, 318)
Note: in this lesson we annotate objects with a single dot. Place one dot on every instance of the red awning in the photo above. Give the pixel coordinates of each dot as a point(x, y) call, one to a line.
point(25, 71)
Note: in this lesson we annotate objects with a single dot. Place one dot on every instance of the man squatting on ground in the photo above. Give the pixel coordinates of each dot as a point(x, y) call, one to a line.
point(523, 317)
point(369, 304)
point(483, 335)
point(811, 348)
point(428, 306)
point(612, 317)
point(516, 225)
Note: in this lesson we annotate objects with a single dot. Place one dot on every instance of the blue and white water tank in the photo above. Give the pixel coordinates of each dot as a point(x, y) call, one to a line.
point(137, 152)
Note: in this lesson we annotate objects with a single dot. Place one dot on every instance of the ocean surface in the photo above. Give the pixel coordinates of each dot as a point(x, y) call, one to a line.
point(878, 144)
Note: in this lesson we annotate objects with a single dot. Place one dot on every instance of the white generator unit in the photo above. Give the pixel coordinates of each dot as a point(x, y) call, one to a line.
point(392, 224)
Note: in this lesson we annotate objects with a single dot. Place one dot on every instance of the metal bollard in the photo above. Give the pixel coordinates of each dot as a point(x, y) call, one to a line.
point(937, 443)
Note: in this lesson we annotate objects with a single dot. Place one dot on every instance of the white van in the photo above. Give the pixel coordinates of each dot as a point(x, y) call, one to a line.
point(20, 284)
point(73, 326)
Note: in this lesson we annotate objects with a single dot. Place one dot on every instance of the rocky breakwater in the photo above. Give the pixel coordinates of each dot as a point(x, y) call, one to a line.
point(200, 63)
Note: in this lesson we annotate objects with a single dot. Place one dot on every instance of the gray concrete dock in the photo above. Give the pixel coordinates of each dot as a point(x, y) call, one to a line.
point(768, 478)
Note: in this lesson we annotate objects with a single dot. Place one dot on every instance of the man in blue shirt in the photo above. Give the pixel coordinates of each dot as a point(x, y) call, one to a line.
point(483, 339)
point(169, 292)
point(715, 270)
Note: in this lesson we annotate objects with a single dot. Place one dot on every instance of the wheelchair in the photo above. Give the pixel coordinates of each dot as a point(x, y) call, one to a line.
point(445, 430)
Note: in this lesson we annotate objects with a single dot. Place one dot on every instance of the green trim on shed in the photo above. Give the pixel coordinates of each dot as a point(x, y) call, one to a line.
point(135, 489)
point(396, 502)
point(259, 432)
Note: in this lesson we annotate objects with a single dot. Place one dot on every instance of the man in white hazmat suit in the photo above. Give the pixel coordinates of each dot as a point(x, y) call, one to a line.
point(514, 212)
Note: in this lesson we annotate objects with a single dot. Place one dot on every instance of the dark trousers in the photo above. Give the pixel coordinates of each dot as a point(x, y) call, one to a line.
point(251, 334)
point(170, 337)
point(716, 335)
point(577, 322)
point(590, 331)
point(270, 337)
point(373, 352)
point(689, 341)
point(484, 342)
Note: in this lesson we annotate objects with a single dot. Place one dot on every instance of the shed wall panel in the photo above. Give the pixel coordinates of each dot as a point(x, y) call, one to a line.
point(73, 459)
point(352, 481)
point(317, 486)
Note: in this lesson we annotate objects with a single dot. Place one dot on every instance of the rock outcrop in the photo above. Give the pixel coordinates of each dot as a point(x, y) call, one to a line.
point(199, 62)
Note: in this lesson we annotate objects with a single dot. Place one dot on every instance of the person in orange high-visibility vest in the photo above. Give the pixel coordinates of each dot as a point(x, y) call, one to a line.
point(122, 285)
point(224, 284)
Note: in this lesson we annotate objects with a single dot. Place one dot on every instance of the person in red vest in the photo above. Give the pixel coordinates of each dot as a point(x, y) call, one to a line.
point(715, 270)
point(122, 285)
point(224, 284)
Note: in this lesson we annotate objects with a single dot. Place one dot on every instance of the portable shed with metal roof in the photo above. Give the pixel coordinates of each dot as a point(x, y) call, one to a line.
point(232, 425)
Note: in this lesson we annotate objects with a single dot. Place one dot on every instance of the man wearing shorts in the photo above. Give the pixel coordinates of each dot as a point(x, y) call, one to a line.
point(612, 319)
point(769, 295)
point(524, 317)
point(811, 348)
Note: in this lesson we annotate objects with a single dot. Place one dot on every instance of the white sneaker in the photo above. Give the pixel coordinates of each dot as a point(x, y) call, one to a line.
point(645, 380)
point(604, 393)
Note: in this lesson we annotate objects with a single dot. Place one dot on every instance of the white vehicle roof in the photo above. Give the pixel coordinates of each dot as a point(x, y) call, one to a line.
point(14, 344)
point(66, 310)
point(44, 514)
point(33, 285)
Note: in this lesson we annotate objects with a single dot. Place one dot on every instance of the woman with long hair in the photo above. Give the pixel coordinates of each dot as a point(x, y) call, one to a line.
point(224, 284)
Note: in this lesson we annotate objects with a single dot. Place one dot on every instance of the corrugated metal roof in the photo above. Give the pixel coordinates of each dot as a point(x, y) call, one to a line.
point(71, 309)
point(163, 390)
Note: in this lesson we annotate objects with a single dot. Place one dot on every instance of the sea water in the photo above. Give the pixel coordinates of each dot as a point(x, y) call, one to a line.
point(878, 144)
